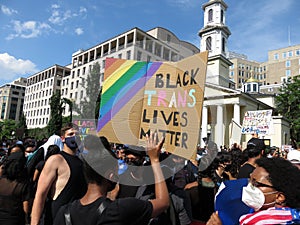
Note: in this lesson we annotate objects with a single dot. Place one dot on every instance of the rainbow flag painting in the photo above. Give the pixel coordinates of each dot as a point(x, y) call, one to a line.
point(141, 96)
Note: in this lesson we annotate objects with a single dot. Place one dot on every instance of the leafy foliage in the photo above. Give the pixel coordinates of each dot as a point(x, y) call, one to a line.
point(88, 107)
point(22, 125)
point(56, 107)
point(288, 104)
point(8, 128)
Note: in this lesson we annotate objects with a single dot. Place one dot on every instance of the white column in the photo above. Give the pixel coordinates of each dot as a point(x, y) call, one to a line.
point(219, 126)
point(237, 113)
point(204, 125)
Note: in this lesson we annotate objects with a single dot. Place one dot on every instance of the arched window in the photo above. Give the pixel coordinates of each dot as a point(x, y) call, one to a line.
point(222, 16)
point(208, 43)
point(223, 44)
point(210, 15)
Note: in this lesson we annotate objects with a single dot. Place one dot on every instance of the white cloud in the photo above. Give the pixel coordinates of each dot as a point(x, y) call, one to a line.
point(28, 29)
point(59, 17)
point(82, 10)
point(12, 68)
point(79, 31)
point(7, 11)
point(183, 3)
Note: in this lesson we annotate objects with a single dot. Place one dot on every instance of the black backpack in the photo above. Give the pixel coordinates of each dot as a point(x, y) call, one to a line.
point(169, 217)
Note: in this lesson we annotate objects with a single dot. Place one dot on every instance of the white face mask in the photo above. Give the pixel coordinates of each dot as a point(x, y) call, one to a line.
point(254, 198)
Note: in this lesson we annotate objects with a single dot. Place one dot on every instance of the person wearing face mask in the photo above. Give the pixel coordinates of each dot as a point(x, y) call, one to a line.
point(61, 180)
point(132, 178)
point(273, 193)
point(101, 171)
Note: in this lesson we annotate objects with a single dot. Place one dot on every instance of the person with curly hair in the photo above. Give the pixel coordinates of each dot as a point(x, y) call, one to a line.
point(15, 190)
point(273, 193)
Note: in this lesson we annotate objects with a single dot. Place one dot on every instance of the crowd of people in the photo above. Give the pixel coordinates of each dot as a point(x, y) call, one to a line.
point(66, 180)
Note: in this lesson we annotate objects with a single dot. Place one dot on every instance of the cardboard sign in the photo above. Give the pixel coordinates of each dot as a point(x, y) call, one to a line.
point(165, 97)
point(235, 135)
point(85, 127)
point(257, 122)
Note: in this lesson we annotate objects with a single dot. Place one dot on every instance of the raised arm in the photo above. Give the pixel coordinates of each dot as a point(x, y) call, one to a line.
point(161, 201)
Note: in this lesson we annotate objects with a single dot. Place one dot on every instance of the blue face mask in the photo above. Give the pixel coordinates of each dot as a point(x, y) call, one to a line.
point(73, 142)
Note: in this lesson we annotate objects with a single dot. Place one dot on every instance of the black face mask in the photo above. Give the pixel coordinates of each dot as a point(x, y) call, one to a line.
point(134, 162)
point(73, 142)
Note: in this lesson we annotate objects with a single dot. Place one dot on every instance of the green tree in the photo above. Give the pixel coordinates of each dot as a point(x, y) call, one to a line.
point(22, 126)
point(8, 128)
point(88, 106)
point(288, 104)
point(56, 107)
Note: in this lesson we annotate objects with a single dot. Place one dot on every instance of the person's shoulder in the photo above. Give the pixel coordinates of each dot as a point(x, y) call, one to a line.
point(54, 161)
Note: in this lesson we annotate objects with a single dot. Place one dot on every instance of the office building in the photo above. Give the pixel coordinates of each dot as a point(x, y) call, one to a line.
point(40, 88)
point(158, 44)
point(12, 99)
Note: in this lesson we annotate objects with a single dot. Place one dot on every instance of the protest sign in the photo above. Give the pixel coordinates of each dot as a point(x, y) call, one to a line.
point(166, 97)
point(235, 135)
point(257, 122)
point(86, 127)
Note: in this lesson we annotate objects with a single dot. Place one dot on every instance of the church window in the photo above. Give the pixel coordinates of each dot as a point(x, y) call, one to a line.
point(208, 43)
point(210, 15)
point(222, 16)
point(223, 44)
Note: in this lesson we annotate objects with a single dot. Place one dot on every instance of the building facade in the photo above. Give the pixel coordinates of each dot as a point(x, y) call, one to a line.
point(232, 85)
point(282, 64)
point(40, 88)
point(12, 99)
point(158, 44)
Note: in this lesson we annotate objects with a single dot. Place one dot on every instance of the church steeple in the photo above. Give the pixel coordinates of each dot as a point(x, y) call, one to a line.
point(215, 33)
point(214, 36)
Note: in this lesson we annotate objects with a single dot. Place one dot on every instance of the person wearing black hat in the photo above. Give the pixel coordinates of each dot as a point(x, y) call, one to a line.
point(101, 170)
point(255, 150)
point(132, 178)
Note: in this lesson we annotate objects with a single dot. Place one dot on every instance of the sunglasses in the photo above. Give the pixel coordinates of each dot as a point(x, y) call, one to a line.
point(258, 184)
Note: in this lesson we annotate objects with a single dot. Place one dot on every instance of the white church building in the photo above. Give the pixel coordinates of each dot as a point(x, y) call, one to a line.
point(224, 107)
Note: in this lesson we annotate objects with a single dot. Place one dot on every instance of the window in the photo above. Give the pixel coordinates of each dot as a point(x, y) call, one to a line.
point(222, 16)
point(210, 15)
point(290, 53)
point(168, 37)
point(72, 84)
point(139, 56)
point(223, 44)
point(120, 56)
point(284, 55)
point(77, 83)
point(288, 63)
point(149, 58)
point(297, 52)
point(128, 54)
point(288, 73)
point(276, 56)
point(208, 43)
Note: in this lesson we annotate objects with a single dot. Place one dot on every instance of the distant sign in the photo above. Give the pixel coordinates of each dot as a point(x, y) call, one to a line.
point(163, 96)
point(86, 127)
point(257, 122)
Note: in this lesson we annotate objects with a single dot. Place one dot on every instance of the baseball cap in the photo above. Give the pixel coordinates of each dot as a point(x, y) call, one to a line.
point(258, 144)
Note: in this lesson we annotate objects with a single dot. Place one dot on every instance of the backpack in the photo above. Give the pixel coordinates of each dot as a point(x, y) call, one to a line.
point(169, 217)
point(103, 205)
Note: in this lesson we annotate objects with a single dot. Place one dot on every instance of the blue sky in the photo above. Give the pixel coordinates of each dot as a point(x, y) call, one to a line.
point(36, 34)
